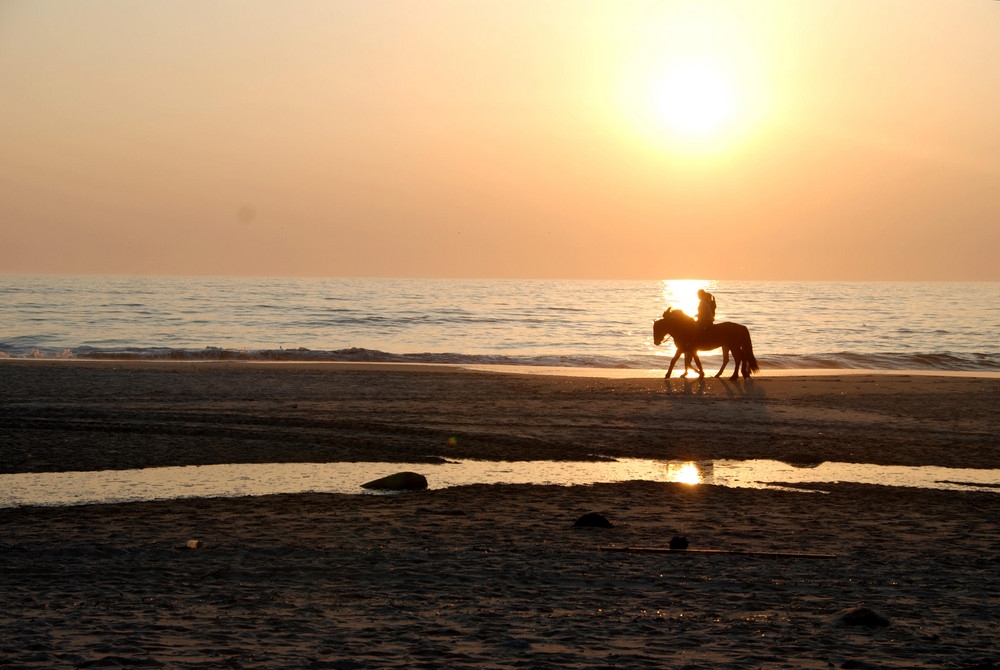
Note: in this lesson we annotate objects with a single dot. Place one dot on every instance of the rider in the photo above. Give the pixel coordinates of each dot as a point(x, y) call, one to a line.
point(706, 309)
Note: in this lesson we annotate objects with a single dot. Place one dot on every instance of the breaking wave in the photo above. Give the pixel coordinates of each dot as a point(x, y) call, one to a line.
point(557, 324)
point(952, 362)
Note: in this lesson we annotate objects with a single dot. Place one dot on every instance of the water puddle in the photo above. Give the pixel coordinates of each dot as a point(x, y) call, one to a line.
point(242, 479)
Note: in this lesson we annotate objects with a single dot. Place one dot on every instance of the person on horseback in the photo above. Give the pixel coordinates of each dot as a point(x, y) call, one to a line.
point(706, 309)
point(689, 339)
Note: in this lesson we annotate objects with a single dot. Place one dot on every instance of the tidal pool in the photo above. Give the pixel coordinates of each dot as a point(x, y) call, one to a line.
point(255, 479)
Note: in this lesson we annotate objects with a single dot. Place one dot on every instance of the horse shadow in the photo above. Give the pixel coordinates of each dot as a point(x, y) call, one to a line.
point(740, 388)
point(714, 418)
point(685, 385)
point(713, 421)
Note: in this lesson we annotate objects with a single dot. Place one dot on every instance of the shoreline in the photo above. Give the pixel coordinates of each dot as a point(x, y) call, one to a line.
point(540, 370)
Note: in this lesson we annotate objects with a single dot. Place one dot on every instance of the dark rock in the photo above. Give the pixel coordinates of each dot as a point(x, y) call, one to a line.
point(677, 542)
point(592, 520)
point(401, 481)
point(861, 616)
point(802, 460)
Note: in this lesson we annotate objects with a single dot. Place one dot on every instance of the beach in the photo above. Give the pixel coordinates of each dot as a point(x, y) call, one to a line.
point(497, 576)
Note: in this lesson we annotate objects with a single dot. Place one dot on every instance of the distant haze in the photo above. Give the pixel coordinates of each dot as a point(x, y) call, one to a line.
point(502, 138)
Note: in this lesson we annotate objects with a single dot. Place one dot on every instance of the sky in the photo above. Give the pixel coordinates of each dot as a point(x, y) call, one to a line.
point(779, 140)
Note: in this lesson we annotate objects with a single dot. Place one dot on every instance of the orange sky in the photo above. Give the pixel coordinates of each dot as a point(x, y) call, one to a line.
point(506, 138)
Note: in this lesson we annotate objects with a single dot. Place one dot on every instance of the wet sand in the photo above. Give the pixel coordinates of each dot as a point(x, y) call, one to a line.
point(495, 576)
point(97, 415)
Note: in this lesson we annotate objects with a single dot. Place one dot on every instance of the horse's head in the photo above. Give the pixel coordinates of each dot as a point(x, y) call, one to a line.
point(661, 328)
point(674, 322)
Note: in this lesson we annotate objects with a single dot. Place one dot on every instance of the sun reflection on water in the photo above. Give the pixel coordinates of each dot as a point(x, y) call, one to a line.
point(684, 472)
point(683, 293)
point(253, 479)
point(679, 294)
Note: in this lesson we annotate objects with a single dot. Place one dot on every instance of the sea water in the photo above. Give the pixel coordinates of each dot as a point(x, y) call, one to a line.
point(919, 326)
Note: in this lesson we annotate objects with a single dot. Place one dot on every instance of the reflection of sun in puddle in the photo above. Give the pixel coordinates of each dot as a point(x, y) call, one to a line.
point(250, 479)
point(685, 472)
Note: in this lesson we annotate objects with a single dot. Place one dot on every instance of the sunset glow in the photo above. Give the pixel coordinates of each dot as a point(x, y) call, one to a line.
point(760, 140)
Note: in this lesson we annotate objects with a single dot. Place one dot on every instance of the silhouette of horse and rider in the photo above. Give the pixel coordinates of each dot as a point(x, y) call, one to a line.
point(691, 336)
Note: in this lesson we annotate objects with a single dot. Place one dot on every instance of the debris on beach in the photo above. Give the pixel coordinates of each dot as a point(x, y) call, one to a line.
point(401, 481)
point(441, 512)
point(716, 552)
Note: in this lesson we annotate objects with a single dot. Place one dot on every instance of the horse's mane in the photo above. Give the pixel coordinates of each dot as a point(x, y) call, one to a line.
point(678, 315)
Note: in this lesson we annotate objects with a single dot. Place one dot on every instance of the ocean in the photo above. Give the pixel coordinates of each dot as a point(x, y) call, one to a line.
point(905, 326)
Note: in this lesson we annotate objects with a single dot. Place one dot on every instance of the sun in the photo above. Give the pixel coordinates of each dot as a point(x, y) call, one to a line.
point(693, 85)
point(688, 105)
point(694, 100)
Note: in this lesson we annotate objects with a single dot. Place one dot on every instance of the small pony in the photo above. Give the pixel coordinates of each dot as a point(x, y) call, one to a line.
point(690, 339)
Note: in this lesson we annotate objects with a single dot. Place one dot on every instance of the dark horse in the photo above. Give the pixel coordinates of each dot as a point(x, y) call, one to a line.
point(690, 339)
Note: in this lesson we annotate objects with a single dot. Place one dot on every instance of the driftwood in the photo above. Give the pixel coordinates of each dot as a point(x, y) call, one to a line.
point(736, 552)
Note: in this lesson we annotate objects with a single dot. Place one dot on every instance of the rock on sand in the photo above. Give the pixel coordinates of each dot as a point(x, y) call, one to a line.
point(401, 481)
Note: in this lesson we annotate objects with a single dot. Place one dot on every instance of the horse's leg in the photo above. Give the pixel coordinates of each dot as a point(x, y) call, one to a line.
point(725, 361)
point(737, 359)
point(673, 361)
point(687, 363)
point(697, 359)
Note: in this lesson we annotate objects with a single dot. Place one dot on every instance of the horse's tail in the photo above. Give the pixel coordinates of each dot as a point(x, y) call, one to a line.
point(748, 352)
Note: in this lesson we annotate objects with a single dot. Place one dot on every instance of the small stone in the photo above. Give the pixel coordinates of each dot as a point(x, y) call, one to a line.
point(592, 520)
point(193, 544)
point(861, 616)
point(401, 481)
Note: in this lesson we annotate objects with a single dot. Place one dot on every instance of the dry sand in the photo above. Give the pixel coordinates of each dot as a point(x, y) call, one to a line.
point(495, 576)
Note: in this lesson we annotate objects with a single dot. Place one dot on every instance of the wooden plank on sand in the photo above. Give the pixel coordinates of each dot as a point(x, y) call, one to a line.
point(737, 552)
